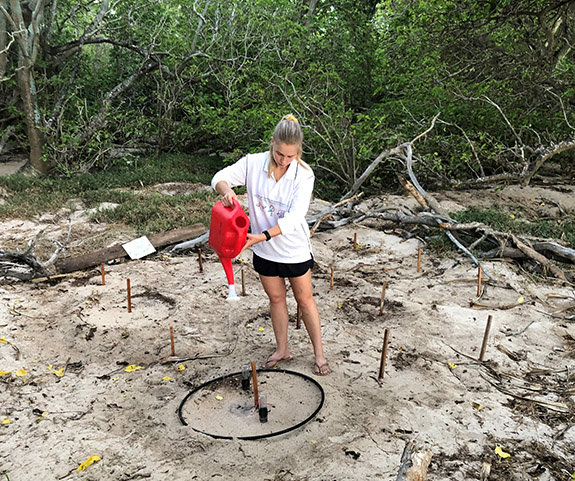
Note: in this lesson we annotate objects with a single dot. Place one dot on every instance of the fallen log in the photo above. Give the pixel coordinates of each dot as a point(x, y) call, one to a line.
point(117, 251)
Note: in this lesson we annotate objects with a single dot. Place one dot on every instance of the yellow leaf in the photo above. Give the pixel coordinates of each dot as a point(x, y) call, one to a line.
point(452, 366)
point(477, 406)
point(502, 454)
point(166, 378)
point(219, 398)
point(512, 216)
point(50, 367)
point(3, 341)
point(59, 372)
point(115, 378)
point(21, 373)
point(261, 329)
point(133, 367)
point(248, 325)
point(4, 373)
point(6, 421)
point(91, 460)
point(542, 203)
point(520, 300)
point(181, 367)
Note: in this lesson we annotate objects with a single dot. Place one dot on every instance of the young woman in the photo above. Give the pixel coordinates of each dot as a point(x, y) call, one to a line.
point(279, 188)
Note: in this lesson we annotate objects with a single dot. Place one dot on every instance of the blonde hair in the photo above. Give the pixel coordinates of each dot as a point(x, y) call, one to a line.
point(288, 131)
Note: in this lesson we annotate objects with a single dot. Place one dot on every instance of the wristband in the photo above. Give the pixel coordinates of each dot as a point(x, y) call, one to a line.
point(267, 234)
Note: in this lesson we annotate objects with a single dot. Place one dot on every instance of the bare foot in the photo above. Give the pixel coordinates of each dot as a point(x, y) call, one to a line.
point(321, 367)
point(275, 358)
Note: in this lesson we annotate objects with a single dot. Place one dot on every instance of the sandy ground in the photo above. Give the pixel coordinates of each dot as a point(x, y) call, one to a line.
point(67, 391)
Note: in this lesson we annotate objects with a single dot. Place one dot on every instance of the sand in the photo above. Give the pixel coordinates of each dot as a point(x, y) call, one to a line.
point(86, 378)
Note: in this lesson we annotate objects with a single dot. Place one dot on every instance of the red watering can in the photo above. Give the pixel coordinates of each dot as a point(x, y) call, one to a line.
point(228, 234)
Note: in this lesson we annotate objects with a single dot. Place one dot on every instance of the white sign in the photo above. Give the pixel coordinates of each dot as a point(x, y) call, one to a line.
point(139, 248)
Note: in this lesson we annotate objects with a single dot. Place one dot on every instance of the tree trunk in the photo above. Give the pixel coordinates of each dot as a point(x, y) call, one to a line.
point(35, 135)
point(3, 41)
point(28, 45)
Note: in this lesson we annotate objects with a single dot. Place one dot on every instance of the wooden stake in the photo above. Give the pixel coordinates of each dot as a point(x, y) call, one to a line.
point(479, 281)
point(129, 296)
point(382, 297)
point(298, 318)
point(485, 338)
point(243, 281)
point(418, 258)
point(355, 240)
point(331, 279)
point(103, 269)
point(383, 355)
point(172, 340)
point(200, 260)
point(255, 383)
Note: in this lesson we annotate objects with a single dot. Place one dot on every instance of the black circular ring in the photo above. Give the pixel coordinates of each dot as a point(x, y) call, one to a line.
point(259, 436)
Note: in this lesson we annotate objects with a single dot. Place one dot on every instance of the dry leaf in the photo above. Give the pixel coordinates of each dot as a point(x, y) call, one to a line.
point(502, 454)
point(132, 368)
point(91, 460)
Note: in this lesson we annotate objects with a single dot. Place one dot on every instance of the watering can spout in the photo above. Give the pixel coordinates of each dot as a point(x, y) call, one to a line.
point(228, 233)
point(227, 265)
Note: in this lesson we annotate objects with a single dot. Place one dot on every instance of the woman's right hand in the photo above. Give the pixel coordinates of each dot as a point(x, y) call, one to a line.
point(228, 198)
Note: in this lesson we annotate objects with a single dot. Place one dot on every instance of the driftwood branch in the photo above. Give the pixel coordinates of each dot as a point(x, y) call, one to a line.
point(117, 251)
point(26, 266)
point(384, 155)
point(414, 464)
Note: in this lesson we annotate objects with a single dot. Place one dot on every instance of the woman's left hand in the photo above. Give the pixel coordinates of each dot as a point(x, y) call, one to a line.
point(251, 240)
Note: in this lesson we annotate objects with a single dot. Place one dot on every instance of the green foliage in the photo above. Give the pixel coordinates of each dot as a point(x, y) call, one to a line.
point(157, 213)
point(503, 221)
point(214, 75)
point(30, 197)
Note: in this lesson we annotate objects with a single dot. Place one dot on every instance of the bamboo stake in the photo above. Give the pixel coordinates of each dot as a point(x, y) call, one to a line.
point(485, 338)
point(103, 270)
point(355, 246)
point(331, 278)
point(298, 318)
point(255, 383)
point(383, 355)
point(418, 258)
point(172, 340)
point(479, 281)
point(243, 281)
point(200, 260)
point(129, 295)
point(382, 297)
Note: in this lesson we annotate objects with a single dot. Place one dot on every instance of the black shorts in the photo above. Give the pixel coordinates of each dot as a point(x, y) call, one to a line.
point(279, 269)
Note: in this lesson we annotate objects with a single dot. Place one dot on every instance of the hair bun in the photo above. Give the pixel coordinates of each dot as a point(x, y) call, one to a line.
point(291, 118)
